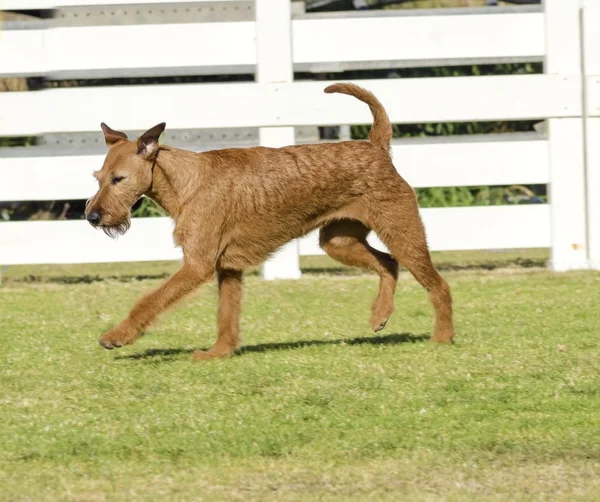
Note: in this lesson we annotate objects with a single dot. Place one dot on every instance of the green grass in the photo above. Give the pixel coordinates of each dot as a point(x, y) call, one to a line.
point(316, 407)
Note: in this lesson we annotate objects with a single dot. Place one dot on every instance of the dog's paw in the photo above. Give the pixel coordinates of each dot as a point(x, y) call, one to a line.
point(443, 337)
point(380, 317)
point(377, 325)
point(117, 337)
point(381, 311)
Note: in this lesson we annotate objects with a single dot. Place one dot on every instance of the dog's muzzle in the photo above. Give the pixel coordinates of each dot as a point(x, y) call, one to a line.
point(94, 217)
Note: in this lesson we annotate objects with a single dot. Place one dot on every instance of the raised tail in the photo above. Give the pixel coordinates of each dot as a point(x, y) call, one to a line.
point(381, 130)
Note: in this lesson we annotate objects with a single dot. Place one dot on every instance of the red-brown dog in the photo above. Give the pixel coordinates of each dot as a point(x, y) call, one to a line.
point(235, 207)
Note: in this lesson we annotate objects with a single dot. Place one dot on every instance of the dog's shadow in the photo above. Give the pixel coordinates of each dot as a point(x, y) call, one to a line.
point(393, 339)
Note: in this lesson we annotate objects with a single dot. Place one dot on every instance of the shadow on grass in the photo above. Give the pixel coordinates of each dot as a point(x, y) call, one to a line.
point(89, 279)
point(68, 279)
point(393, 339)
point(441, 266)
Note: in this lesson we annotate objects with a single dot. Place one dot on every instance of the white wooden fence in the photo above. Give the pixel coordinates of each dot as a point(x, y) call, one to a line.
point(567, 95)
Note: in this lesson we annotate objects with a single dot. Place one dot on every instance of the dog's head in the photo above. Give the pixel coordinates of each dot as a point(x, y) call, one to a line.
point(125, 176)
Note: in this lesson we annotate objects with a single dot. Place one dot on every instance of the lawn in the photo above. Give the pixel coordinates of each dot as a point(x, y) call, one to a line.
point(316, 407)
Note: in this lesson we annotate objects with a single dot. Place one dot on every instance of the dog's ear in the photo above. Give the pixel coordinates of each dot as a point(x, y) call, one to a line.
point(148, 142)
point(112, 137)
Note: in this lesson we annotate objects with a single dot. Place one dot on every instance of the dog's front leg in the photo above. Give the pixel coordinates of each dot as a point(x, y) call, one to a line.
point(228, 320)
point(149, 307)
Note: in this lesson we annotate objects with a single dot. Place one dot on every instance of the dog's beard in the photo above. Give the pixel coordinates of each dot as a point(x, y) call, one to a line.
point(113, 231)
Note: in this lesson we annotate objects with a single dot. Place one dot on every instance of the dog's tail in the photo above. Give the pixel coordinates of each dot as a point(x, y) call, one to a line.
point(381, 131)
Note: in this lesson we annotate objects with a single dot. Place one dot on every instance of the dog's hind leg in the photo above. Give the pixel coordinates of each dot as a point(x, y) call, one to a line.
point(346, 242)
point(399, 226)
point(230, 297)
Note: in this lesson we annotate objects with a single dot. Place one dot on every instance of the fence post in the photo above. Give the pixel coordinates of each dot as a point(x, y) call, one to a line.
point(565, 142)
point(274, 65)
point(591, 69)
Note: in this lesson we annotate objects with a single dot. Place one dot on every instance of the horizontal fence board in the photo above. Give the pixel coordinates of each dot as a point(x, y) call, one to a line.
point(53, 4)
point(493, 227)
point(102, 49)
point(464, 162)
point(181, 46)
point(80, 50)
point(48, 178)
point(418, 100)
point(76, 241)
point(593, 95)
point(421, 163)
point(21, 52)
point(498, 227)
point(472, 228)
point(510, 97)
point(418, 38)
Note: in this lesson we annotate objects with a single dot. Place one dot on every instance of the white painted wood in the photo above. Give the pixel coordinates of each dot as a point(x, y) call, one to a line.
point(321, 40)
point(21, 52)
point(284, 264)
point(591, 63)
point(472, 163)
point(416, 38)
point(562, 27)
point(89, 48)
point(422, 164)
point(132, 107)
point(436, 99)
point(592, 95)
point(26, 4)
point(273, 41)
point(496, 227)
point(464, 228)
point(593, 191)
point(76, 241)
point(48, 178)
point(276, 137)
point(567, 194)
point(566, 142)
point(52, 4)
point(591, 39)
point(274, 65)
point(291, 104)
point(181, 46)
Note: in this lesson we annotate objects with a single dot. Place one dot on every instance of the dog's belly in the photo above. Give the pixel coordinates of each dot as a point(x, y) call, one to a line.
point(254, 240)
point(252, 250)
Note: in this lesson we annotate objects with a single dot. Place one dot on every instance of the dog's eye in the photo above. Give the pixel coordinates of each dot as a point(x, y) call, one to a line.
point(117, 179)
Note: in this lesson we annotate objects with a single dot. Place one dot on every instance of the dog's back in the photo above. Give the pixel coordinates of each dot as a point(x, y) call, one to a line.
point(293, 177)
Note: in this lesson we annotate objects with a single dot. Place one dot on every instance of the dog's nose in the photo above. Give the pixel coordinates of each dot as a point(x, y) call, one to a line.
point(94, 217)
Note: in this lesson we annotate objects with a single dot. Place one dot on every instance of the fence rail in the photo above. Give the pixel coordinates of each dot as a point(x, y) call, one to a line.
point(289, 104)
point(150, 239)
point(566, 157)
point(53, 4)
point(68, 52)
point(520, 160)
